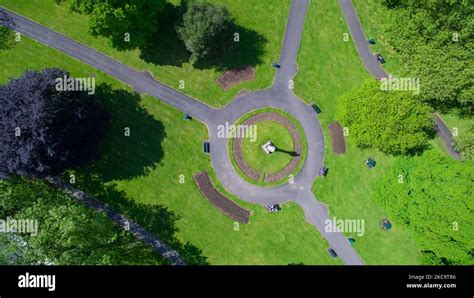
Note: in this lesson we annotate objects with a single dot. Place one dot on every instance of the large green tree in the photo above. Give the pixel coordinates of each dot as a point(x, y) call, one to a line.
point(433, 195)
point(128, 24)
point(68, 232)
point(205, 29)
point(435, 40)
point(394, 122)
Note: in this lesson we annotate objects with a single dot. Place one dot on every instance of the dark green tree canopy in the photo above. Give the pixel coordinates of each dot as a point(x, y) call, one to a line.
point(433, 195)
point(205, 29)
point(6, 38)
point(45, 131)
point(435, 41)
point(394, 122)
point(115, 19)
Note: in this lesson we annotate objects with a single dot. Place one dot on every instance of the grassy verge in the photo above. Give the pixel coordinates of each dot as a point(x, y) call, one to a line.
point(328, 68)
point(140, 176)
point(261, 26)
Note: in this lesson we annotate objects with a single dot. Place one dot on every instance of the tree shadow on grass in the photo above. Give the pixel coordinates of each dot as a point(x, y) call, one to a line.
point(123, 157)
point(248, 51)
point(165, 47)
point(132, 145)
point(156, 219)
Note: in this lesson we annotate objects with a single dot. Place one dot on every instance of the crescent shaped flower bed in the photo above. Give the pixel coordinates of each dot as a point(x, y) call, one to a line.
point(224, 204)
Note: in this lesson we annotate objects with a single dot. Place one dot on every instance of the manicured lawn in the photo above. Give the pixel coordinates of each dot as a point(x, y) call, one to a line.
point(140, 175)
point(328, 68)
point(259, 160)
point(261, 27)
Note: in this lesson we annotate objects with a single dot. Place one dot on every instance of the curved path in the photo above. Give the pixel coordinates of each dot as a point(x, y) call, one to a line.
point(360, 40)
point(278, 96)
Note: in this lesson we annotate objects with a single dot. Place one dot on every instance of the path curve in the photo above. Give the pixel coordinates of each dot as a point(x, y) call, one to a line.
point(360, 40)
point(278, 96)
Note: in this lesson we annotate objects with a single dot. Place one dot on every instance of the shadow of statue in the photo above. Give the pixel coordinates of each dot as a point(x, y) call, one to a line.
point(291, 153)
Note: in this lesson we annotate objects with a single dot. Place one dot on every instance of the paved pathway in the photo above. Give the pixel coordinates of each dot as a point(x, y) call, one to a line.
point(376, 70)
point(360, 40)
point(445, 134)
point(279, 96)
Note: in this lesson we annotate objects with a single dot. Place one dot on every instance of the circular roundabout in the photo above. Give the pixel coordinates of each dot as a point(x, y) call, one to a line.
point(268, 147)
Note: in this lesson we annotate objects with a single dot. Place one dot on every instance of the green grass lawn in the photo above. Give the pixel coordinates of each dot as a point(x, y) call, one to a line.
point(328, 68)
point(268, 163)
point(140, 175)
point(261, 26)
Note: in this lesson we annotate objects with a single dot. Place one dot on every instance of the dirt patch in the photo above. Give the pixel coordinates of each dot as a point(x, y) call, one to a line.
point(337, 138)
point(235, 76)
point(242, 164)
point(224, 204)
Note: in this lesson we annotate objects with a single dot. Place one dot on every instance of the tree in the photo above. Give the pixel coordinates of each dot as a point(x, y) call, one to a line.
point(205, 29)
point(433, 196)
point(128, 24)
point(45, 131)
point(6, 38)
point(435, 41)
point(465, 145)
point(394, 122)
point(68, 232)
